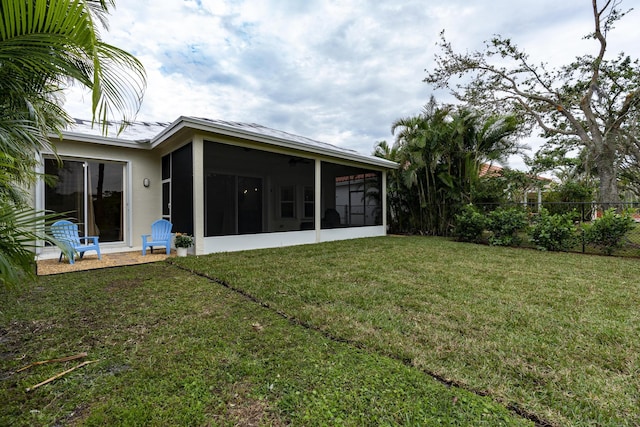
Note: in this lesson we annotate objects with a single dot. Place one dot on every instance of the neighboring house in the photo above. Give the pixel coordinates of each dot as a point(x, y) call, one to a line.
point(531, 196)
point(233, 186)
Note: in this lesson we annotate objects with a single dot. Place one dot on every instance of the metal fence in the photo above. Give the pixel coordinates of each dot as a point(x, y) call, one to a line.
point(584, 213)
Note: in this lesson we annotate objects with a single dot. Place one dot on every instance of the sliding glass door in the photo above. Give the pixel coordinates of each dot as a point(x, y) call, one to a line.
point(91, 193)
point(233, 205)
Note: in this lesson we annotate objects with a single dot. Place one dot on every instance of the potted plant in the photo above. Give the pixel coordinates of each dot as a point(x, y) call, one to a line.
point(182, 242)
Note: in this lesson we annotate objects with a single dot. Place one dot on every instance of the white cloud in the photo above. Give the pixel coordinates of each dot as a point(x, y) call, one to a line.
point(336, 71)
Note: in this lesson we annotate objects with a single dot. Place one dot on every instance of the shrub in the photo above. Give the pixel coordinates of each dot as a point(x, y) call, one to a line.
point(469, 225)
point(504, 225)
point(607, 232)
point(566, 197)
point(553, 232)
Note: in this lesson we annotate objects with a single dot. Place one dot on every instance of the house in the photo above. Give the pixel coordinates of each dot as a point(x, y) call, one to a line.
point(530, 195)
point(233, 186)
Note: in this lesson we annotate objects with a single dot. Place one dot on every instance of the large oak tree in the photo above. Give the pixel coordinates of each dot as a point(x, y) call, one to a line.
point(592, 103)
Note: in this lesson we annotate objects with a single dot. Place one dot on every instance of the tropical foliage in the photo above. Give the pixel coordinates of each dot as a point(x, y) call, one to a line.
point(44, 46)
point(470, 224)
point(440, 152)
point(553, 232)
point(592, 103)
point(563, 198)
point(608, 231)
point(508, 225)
point(505, 224)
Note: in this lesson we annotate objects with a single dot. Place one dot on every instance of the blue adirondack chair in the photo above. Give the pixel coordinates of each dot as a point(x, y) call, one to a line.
point(160, 236)
point(66, 233)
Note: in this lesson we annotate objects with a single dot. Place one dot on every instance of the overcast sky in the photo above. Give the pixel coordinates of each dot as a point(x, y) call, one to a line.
point(338, 71)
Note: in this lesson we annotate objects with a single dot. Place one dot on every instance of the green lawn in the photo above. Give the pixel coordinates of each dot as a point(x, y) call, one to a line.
point(342, 333)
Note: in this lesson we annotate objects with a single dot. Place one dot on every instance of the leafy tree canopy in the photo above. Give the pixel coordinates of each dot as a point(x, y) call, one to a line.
point(593, 101)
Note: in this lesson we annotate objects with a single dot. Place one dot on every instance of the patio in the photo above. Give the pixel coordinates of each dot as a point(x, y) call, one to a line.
point(91, 261)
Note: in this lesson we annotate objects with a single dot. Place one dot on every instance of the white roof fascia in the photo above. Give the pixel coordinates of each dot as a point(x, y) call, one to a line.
point(209, 126)
point(103, 140)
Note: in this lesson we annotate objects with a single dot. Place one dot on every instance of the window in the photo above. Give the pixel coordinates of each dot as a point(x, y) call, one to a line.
point(309, 196)
point(288, 201)
point(351, 196)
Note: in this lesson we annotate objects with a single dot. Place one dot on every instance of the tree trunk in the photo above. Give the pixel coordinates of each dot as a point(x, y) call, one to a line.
point(606, 164)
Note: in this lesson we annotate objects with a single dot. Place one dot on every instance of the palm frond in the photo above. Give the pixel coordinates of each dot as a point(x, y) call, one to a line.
point(21, 231)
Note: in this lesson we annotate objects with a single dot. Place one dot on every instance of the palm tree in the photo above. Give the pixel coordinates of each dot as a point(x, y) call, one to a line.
point(479, 140)
point(420, 142)
point(44, 45)
point(440, 152)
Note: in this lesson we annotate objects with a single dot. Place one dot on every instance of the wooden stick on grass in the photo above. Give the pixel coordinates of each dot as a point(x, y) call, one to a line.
point(55, 377)
point(62, 359)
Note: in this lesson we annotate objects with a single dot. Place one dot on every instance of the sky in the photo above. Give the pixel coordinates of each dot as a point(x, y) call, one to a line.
point(337, 71)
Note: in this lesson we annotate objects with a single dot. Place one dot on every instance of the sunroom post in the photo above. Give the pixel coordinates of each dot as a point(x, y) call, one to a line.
point(384, 201)
point(198, 194)
point(317, 205)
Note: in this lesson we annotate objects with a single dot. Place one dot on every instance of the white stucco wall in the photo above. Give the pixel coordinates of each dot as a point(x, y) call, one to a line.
point(142, 205)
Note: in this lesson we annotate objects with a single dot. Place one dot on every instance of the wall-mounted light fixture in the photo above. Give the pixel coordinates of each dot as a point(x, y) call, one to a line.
point(146, 182)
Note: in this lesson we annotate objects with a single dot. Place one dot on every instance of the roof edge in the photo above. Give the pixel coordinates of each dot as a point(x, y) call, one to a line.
point(105, 140)
point(205, 125)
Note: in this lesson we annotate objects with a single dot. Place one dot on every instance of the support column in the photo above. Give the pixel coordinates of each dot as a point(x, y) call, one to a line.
point(198, 194)
point(539, 200)
point(384, 201)
point(317, 205)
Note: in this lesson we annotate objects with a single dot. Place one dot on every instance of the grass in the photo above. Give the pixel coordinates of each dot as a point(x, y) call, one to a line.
point(555, 334)
point(342, 333)
point(174, 348)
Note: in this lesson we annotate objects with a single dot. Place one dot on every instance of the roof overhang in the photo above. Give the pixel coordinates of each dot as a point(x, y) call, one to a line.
point(102, 140)
point(219, 128)
point(251, 133)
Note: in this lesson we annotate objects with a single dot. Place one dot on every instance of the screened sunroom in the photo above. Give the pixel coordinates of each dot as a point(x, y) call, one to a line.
point(264, 188)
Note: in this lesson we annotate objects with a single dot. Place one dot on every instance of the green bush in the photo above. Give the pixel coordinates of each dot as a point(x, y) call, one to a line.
point(606, 233)
point(469, 225)
point(571, 197)
point(553, 232)
point(504, 225)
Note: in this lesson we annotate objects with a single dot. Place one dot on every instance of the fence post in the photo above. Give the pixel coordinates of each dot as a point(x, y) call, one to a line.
point(582, 227)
